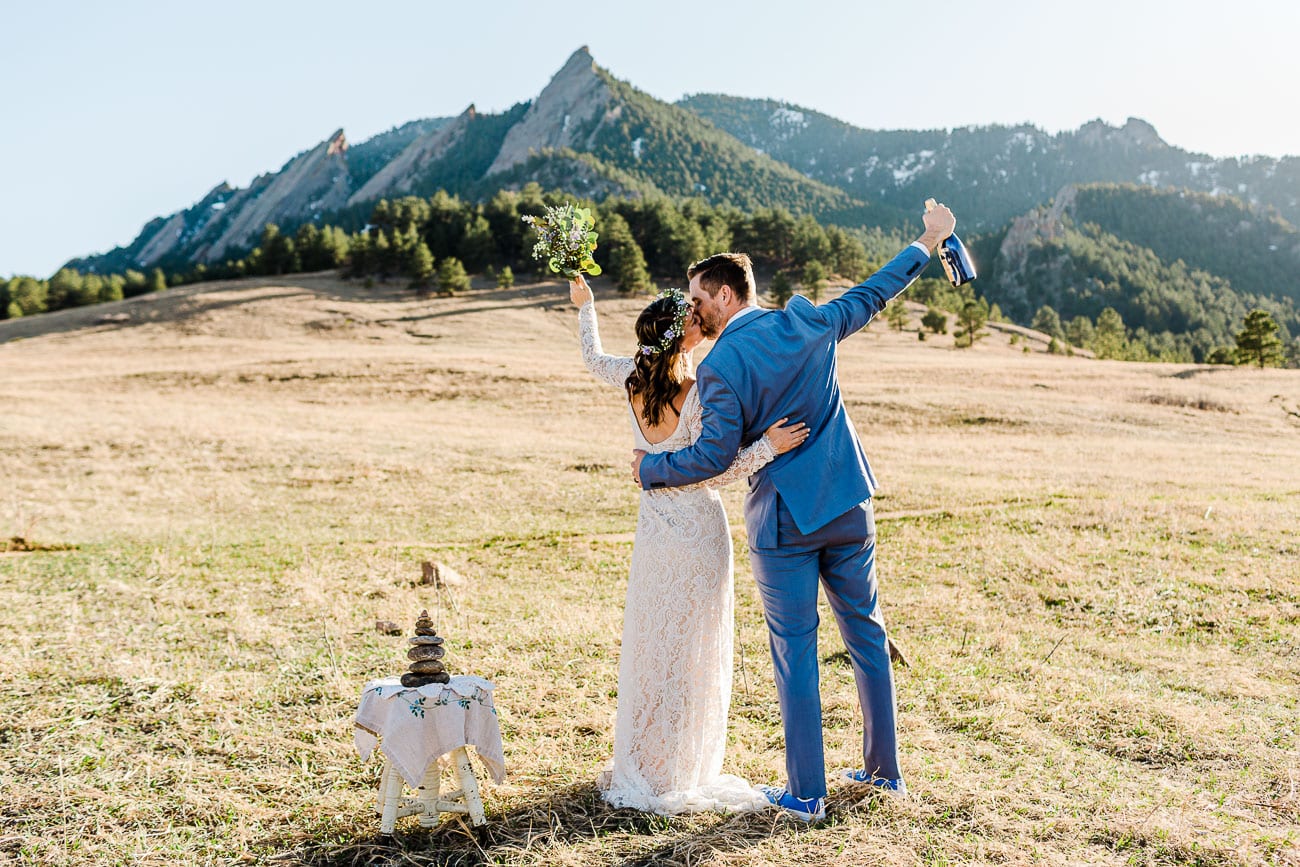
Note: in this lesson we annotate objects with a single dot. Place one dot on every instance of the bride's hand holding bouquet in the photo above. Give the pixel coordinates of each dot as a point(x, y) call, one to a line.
point(579, 292)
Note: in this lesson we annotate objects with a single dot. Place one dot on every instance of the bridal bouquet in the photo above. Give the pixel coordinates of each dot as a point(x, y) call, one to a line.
point(565, 240)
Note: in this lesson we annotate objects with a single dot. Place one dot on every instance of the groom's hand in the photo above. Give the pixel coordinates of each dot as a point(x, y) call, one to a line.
point(939, 224)
point(637, 455)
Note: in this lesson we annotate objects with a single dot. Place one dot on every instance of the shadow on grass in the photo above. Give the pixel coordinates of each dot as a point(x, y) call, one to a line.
point(529, 833)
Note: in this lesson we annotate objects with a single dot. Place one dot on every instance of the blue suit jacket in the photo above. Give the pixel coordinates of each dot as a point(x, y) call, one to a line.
point(776, 363)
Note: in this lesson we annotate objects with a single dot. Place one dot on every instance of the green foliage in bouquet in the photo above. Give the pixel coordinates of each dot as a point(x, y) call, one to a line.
point(565, 240)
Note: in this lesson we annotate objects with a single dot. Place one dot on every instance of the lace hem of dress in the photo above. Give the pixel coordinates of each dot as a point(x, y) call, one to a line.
point(726, 793)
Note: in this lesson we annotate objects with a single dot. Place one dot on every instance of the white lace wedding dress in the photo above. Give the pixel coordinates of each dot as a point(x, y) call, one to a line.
point(675, 666)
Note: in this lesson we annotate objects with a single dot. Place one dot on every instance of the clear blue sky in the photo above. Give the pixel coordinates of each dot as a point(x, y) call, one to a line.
point(114, 113)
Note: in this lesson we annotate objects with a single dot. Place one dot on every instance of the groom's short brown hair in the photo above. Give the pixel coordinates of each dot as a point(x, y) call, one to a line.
point(729, 269)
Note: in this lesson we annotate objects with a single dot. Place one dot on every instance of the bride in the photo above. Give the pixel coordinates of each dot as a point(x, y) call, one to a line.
point(674, 673)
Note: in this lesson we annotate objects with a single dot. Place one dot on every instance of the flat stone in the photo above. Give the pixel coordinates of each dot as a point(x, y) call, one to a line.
point(417, 680)
point(426, 639)
point(426, 651)
point(427, 666)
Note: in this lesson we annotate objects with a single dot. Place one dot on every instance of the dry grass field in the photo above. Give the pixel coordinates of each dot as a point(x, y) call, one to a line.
point(211, 495)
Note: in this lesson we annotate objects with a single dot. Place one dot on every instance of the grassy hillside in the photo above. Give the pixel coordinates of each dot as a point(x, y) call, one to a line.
point(214, 492)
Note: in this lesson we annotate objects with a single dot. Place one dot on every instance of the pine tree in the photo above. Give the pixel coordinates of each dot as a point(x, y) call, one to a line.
point(629, 268)
point(157, 281)
point(359, 260)
point(810, 241)
point(111, 288)
point(278, 253)
point(335, 244)
point(848, 257)
point(627, 262)
point(27, 296)
point(136, 284)
point(307, 241)
point(1080, 332)
point(506, 278)
point(935, 320)
point(67, 288)
point(782, 289)
point(1109, 339)
point(1048, 321)
point(452, 277)
point(974, 316)
point(1257, 342)
point(814, 279)
point(1222, 355)
point(477, 247)
point(420, 265)
point(381, 259)
point(896, 314)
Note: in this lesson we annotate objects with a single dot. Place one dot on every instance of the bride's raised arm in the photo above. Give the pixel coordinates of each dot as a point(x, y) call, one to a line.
point(613, 369)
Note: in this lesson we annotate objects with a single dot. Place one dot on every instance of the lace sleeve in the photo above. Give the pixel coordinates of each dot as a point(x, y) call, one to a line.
point(613, 369)
point(751, 459)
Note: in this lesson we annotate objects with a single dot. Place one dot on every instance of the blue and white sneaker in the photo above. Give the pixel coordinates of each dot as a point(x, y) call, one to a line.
point(896, 788)
point(803, 809)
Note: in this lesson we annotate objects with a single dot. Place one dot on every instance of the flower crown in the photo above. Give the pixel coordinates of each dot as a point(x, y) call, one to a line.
point(677, 329)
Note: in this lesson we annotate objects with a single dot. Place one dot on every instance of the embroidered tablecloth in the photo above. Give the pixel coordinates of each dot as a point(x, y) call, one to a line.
point(420, 724)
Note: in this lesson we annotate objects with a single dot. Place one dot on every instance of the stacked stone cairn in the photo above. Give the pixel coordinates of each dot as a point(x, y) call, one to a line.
point(426, 655)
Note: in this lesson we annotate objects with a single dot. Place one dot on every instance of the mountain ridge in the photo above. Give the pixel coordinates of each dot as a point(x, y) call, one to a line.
point(991, 173)
point(1175, 240)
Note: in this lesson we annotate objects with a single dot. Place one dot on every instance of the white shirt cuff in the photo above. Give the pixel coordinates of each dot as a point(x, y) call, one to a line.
point(924, 249)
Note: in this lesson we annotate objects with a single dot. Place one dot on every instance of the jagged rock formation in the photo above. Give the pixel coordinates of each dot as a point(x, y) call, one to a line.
point(592, 134)
point(312, 183)
point(559, 116)
point(401, 176)
point(228, 220)
point(166, 238)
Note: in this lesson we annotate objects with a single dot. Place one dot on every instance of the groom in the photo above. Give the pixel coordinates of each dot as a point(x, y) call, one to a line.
point(809, 512)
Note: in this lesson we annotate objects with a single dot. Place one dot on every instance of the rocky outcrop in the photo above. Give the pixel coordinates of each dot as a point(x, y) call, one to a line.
point(400, 176)
point(164, 240)
point(311, 183)
point(1135, 133)
point(560, 116)
point(1041, 224)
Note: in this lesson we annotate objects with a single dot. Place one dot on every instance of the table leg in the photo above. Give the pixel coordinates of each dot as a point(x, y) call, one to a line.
point(390, 788)
point(428, 795)
point(468, 786)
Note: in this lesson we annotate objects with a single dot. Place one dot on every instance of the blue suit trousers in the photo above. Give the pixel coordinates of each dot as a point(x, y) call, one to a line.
point(842, 555)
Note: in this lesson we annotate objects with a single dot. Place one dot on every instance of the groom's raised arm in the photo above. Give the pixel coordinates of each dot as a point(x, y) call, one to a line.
point(717, 446)
point(856, 307)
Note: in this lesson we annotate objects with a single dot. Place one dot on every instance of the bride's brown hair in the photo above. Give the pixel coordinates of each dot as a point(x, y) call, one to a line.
point(659, 365)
